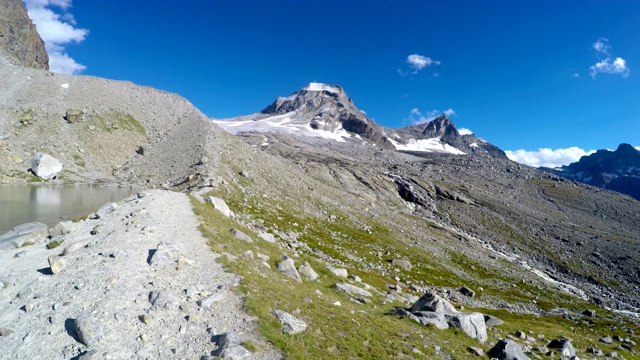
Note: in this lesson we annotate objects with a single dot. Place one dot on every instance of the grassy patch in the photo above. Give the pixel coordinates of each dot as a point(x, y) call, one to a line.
point(26, 243)
point(54, 244)
point(363, 246)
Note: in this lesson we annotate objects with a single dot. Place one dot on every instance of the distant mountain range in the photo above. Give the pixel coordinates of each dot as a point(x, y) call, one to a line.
point(323, 110)
point(617, 170)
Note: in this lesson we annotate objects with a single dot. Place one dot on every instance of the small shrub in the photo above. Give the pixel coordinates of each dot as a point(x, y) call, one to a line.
point(250, 345)
point(28, 243)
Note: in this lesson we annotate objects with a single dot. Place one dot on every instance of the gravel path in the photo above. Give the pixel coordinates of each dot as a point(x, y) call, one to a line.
point(130, 297)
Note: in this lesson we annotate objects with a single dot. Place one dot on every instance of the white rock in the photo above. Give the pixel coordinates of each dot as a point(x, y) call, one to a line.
point(45, 166)
point(220, 205)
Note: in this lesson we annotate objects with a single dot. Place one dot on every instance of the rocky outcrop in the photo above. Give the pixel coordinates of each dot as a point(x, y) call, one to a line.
point(19, 39)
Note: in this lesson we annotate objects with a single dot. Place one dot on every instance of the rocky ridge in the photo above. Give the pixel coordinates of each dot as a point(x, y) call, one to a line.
point(617, 170)
point(19, 40)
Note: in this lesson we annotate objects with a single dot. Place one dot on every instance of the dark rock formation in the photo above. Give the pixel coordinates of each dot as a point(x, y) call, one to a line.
point(19, 39)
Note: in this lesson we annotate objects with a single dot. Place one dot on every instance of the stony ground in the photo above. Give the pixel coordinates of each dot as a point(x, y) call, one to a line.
point(129, 289)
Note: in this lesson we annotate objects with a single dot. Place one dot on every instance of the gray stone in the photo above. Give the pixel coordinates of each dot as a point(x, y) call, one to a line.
point(337, 271)
point(607, 339)
point(436, 319)
point(351, 289)
point(241, 236)
point(34, 232)
point(467, 292)
point(105, 209)
point(211, 299)
point(475, 350)
point(56, 263)
point(270, 238)
point(307, 272)
point(288, 267)
point(433, 302)
point(471, 324)
point(403, 264)
point(491, 320)
point(88, 329)
point(5, 331)
point(162, 300)
point(290, 324)
point(507, 349)
point(45, 166)
point(563, 346)
point(62, 228)
point(166, 252)
point(73, 116)
point(230, 347)
point(219, 205)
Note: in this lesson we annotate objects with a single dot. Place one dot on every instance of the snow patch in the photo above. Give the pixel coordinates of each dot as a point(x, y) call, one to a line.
point(321, 87)
point(64, 86)
point(284, 123)
point(427, 145)
point(475, 145)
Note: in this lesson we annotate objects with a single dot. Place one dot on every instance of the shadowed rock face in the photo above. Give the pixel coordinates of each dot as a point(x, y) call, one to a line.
point(617, 170)
point(19, 39)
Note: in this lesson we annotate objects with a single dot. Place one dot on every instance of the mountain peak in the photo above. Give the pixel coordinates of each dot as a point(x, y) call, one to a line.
point(439, 127)
point(627, 148)
point(330, 88)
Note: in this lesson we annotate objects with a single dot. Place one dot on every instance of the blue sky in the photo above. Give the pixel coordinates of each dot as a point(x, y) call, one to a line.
point(560, 76)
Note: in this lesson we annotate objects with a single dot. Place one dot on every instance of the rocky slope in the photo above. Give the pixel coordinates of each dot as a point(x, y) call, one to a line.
point(19, 40)
point(617, 170)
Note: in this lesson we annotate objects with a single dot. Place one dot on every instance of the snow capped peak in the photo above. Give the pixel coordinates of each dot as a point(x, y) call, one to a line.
point(314, 86)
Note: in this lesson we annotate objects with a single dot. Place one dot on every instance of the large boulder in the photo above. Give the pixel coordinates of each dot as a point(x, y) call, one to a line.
point(219, 205)
point(351, 289)
point(45, 166)
point(563, 346)
point(434, 303)
point(74, 116)
point(507, 350)
point(288, 267)
point(471, 324)
point(290, 324)
point(435, 319)
point(30, 233)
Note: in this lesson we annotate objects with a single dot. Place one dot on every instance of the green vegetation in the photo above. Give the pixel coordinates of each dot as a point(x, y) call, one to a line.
point(250, 345)
point(354, 330)
point(116, 120)
point(27, 243)
point(77, 159)
point(54, 244)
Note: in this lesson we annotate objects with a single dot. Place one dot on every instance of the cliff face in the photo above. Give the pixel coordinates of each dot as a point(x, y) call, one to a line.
point(19, 39)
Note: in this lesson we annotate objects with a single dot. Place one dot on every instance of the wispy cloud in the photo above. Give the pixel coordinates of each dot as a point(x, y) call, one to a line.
point(547, 157)
point(415, 63)
point(575, 75)
point(417, 117)
point(58, 29)
point(608, 65)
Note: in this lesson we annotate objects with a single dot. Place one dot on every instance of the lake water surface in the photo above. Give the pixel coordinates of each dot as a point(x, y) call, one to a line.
point(51, 204)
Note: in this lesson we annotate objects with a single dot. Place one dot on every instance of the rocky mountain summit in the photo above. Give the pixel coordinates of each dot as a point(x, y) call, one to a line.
point(325, 111)
point(19, 40)
point(319, 110)
point(441, 131)
point(617, 170)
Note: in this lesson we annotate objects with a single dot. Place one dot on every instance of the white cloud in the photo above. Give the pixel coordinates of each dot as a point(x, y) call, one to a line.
point(608, 65)
point(417, 117)
point(57, 30)
point(416, 63)
point(575, 75)
point(547, 157)
point(602, 46)
point(464, 131)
